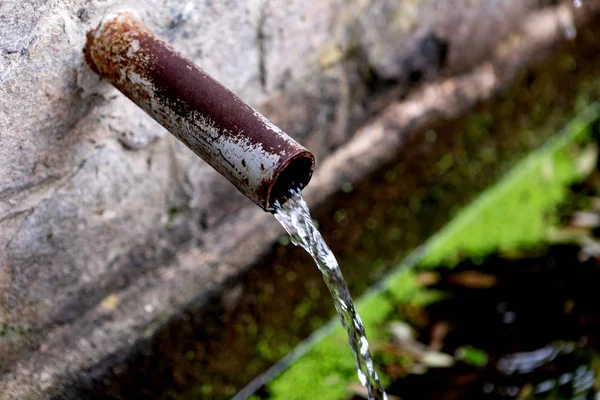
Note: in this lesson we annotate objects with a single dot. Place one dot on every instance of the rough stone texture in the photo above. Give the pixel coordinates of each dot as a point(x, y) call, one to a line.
point(108, 225)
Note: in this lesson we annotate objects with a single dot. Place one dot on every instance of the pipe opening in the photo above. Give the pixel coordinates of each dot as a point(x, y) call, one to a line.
point(292, 178)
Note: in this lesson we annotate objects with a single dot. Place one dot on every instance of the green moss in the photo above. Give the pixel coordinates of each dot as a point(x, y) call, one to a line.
point(321, 374)
point(401, 286)
point(472, 356)
point(423, 298)
point(517, 212)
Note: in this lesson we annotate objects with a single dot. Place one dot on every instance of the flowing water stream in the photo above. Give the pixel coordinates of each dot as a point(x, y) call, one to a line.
point(295, 218)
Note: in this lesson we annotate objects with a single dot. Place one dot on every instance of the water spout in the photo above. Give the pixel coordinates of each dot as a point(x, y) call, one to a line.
point(262, 161)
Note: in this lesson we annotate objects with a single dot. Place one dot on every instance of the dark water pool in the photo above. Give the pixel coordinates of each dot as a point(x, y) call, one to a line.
point(536, 318)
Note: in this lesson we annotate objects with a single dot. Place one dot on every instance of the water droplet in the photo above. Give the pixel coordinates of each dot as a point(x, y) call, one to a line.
point(364, 346)
point(362, 377)
point(570, 32)
point(513, 391)
point(509, 317)
point(343, 305)
point(488, 388)
point(565, 378)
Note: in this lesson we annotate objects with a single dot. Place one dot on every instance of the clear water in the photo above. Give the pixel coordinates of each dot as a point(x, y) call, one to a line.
point(295, 218)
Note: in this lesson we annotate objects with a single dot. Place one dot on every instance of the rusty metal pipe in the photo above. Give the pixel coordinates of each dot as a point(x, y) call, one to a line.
point(255, 155)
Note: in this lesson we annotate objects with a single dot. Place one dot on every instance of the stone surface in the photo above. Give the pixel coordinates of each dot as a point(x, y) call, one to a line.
point(108, 225)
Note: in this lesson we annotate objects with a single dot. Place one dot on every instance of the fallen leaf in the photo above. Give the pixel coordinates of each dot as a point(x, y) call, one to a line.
point(473, 279)
point(109, 304)
point(438, 333)
point(436, 359)
point(585, 219)
point(401, 331)
point(428, 278)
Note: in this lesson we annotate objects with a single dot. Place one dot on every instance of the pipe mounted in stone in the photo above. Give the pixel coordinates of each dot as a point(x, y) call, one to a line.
point(242, 145)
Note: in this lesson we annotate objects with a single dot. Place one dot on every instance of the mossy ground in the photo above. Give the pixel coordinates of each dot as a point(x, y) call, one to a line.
point(517, 212)
point(514, 214)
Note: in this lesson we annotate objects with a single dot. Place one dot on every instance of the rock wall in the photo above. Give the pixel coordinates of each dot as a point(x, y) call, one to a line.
point(108, 225)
